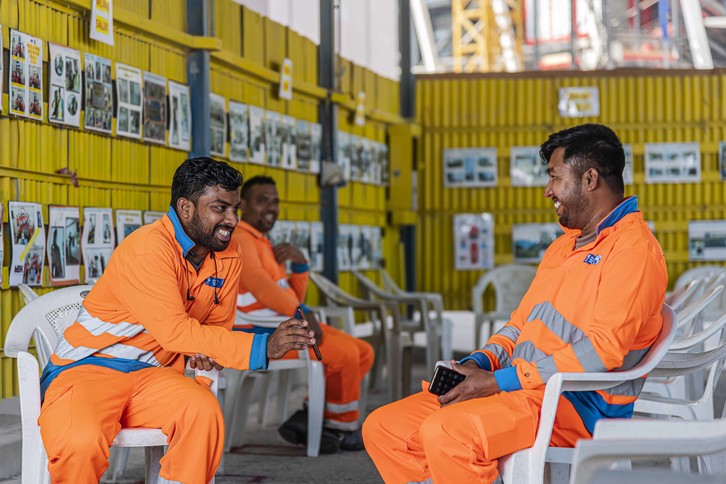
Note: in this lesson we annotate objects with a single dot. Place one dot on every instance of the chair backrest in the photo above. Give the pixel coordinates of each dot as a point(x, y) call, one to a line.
point(694, 310)
point(698, 273)
point(662, 343)
point(681, 295)
point(389, 285)
point(510, 282)
point(28, 293)
point(369, 288)
point(332, 292)
point(44, 318)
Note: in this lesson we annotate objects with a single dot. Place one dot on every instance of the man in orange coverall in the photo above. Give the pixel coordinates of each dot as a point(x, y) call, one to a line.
point(594, 305)
point(168, 293)
point(266, 289)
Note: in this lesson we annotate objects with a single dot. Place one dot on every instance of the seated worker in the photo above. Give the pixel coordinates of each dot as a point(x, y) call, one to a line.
point(266, 289)
point(168, 292)
point(593, 306)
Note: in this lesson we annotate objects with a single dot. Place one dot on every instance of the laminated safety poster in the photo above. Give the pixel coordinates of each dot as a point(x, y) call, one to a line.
point(473, 241)
point(707, 240)
point(526, 167)
point(316, 246)
point(239, 131)
point(470, 167)
point(316, 144)
point(27, 239)
point(2, 76)
point(258, 135)
point(273, 138)
point(98, 103)
point(2, 234)
point(672, 163)
point(287, 142)
point(64, 99)
point(126, 222)
point(218, 122)
point(98, 241)
point(180, 112)
point(129, 106)
point(64, 245)
point(530, 241)
point(151, 216)
point(26, 75)
point(154, 108)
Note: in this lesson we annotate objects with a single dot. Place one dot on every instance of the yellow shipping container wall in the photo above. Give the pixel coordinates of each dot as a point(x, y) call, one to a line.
point(501, 111)
point(125, 174)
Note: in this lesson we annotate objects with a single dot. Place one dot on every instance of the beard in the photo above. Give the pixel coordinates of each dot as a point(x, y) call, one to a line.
point(575, 204)
point(205, 238)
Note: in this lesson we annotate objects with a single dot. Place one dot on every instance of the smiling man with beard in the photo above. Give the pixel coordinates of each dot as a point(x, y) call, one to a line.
point(266, 289)
point(168, 293)
point(593, 306)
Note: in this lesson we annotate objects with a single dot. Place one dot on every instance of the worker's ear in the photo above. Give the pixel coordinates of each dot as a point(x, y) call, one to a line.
point(185, 209)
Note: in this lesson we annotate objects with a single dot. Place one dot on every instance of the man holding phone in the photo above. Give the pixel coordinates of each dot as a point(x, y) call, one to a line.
point(265, 289)
point(594, 305)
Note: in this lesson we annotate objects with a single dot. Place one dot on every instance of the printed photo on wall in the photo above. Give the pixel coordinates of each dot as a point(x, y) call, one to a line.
point(154, 108)
point(672, 163)
point(344, 154)
point(65, 85)
point(239, 131)
point(273, 138)
point(99, 95)
point(151, 216)
point(722, 160)
point(473, 241)
point(530, 241)
point(97, 241)
point(126, 222)
point(628, 170)
point(130, 101)
point(470, 167)
point(64, 245)
point(526, 167)
point(218, 120)
point(2, 232)
point(303, 142)
point(707, 240)
point(316, 246)
point(2, 76)
point(180, 121)
point(27, 242)
point(301, 237)
point(287, 140)
point(258, 132)
point(26, 75)
point(344, 248)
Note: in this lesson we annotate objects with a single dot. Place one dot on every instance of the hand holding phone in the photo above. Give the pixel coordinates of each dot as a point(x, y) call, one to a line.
point(299, 315)
point(444, 379)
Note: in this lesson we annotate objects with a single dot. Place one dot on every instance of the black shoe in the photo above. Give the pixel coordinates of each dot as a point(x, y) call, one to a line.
point(352, 440)
point(295, 431)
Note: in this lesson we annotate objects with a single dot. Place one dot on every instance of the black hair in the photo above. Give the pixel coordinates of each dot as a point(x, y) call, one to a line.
point(590, 146)
point(193, 177)
point(256, 180)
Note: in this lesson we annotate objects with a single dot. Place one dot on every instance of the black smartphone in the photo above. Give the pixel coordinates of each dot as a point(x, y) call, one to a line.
point(444, 379)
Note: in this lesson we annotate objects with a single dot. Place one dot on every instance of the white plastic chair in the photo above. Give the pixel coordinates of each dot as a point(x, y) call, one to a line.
point(28, 293)
point(712, 275)
point(436, 311)
point(510, 282)
point(44, 319)
point(240, 390)
point(625, 439)
point(527, 466)
point(394, 343)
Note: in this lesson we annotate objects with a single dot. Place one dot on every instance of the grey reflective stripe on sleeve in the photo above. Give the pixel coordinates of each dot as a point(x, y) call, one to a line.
point(500, 353)
point(342, 407)
point(546, 368)
point(65, 351)
point(565, 330)
point(97, 327)
point(587, 356)
point(527, 351)
point(632, 358)
point(628, 389)
point(509, 332)
point(130, 353)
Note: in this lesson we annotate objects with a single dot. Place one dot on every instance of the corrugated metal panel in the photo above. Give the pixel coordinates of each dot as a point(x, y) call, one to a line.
point(501, 112)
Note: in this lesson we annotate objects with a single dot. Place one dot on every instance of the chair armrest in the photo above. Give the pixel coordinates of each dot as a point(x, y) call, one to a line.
point(212, 375)
point(693, 340)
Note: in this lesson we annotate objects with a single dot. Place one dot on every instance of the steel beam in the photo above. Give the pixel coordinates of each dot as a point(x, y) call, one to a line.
point(198, 67)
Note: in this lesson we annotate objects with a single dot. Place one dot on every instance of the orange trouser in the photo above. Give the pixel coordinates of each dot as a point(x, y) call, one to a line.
point(415, 439)
point(86, 406)
point(347, 360)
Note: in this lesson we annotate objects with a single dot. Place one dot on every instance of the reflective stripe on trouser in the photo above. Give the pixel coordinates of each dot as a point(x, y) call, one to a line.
point(86, 406)
point(415, 439)
point(347, 360)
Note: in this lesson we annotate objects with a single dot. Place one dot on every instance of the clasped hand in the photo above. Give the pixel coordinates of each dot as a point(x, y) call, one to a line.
point(477, 384)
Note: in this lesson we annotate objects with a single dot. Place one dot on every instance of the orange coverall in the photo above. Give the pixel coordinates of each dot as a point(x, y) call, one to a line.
point(121, 363)
point(266, 289)
point(595, 308)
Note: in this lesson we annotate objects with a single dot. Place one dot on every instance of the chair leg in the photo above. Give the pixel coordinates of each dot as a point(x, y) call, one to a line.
point(117, 462)
point(283, 394)
point(447, 329)
point(152, 456)
point(238, 399)
point(363, 400)
point(267, 391)
point(316, 406)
